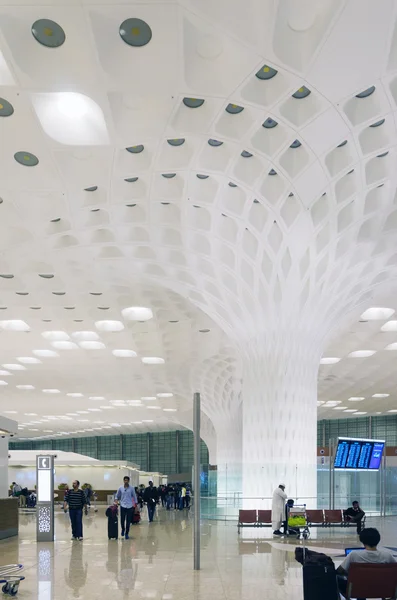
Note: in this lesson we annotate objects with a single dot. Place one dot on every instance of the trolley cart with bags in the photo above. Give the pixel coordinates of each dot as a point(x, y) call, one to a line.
point(10, 578)
point(296, 521)
point(319, 575)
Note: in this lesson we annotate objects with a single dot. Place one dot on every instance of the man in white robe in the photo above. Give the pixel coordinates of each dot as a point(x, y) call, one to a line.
point(278, 508)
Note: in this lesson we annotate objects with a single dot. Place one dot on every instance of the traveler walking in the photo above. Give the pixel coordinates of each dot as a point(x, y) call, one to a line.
point(127, 499)
point(150, 496)
point(76, 500)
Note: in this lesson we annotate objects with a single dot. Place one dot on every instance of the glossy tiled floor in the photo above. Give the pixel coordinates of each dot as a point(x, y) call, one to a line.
point(157, 562)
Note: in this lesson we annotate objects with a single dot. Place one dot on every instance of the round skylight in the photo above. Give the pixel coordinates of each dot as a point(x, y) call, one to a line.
point(135, 32)
point(302, 92)
point(124, 353)
point(366, 92)
point(135, 149)
point(234, 109)
point(109, 325)
point(266, 72)
point(137, 313)
point(153, 360)
point(193, 102)
point(27, 159)
point(176, 142)
point(6, 109)
point(269, 123)
point(48, 33)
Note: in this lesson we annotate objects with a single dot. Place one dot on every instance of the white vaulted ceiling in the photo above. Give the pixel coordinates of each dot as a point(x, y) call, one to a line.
point(225, 166)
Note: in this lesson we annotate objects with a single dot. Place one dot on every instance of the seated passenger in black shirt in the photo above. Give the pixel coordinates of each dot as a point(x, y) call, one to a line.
point(354, 514)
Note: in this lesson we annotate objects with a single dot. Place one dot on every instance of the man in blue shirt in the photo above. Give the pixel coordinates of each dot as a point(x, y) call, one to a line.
point(126, 497)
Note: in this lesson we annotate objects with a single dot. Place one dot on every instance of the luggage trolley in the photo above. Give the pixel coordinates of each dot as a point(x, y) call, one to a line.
point(10, 578)
point(296, 521)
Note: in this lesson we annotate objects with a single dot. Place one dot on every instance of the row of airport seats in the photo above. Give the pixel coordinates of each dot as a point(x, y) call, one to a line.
point(314, 517)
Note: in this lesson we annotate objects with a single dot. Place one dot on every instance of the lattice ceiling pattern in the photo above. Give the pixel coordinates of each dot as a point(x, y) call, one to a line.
point(231, 170)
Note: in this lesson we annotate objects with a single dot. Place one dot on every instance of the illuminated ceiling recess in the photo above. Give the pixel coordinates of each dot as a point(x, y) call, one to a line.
point(230, 218)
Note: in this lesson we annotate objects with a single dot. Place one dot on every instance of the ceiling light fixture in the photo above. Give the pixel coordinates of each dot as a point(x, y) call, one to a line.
point(377, 313)
point(92, 345)
point(356, 398)
point(14, 367)
point(137, 313)
point(25, 387)
point(389, 326)
point(153, 360)
point(14, 325)
point(361, 353)
point(64, 345)
point(109, 325)
point(329, 360)
point(120, 353)
point(46, 353)
point(55, 336)
point(29, 360)
point(380, 395)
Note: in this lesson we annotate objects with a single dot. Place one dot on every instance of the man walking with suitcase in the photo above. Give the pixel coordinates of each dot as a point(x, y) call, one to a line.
point(127, 499)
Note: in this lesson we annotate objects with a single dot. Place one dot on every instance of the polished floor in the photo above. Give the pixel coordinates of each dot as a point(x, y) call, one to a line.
point(157, 562)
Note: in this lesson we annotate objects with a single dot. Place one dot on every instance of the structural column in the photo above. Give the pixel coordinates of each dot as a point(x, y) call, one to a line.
point(229, 455)
point(280, 419)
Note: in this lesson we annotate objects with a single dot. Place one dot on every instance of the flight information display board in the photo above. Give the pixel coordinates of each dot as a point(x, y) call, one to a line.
point(358, 454)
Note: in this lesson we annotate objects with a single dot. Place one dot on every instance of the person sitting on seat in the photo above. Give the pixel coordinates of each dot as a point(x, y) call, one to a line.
point(354, 514)
point(370, 539)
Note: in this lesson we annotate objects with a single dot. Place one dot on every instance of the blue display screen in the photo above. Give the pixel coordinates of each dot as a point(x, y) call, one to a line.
point(358, 454)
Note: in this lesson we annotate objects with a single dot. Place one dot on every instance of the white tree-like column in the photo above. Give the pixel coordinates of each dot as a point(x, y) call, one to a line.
point(279, 419)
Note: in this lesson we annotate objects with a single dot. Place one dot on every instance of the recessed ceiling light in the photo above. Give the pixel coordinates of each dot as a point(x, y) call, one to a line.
point(14, 325)
point(10, 412)
point(25, 387)
point(63, 345)
point(109, 325)
point(389, 326)
point(51, 391)
point(94, 410)
point(148, 398)
point(392, 411)
point(351, 410)
point(4, 373)
point(153, 360)
point(75, 395)
point(361, 413)
point(392, 346)
point(165, 395)
point(340, 407)
point(380, 395)
point(29, 360)
point(137, 422)
point(30, 414)
point(356, 398)
point(377, 314)
point(14, 367)
point(120, 353)
point(3, 382)
point(154, 407)
point(169, 409)
point(92, 345)
point(85, 336)
point(329, 360)
point(46, 353)
point(137, 313)
point(147, 421)
point(362, 354)
point(55, 336)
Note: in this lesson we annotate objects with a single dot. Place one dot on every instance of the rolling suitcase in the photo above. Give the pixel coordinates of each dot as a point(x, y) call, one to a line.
point(113, 524)
point(319, 581)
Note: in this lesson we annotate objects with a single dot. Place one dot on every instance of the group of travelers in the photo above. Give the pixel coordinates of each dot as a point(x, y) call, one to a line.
point(175, 496)
point(130, 500)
